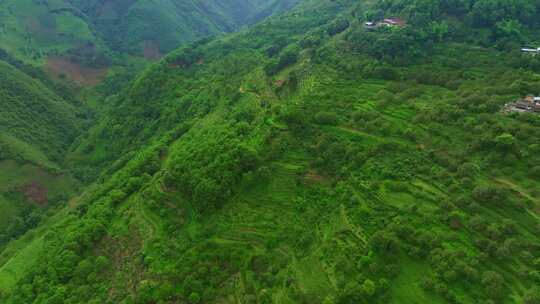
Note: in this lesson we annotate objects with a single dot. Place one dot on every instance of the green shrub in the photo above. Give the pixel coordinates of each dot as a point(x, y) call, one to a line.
point(327, 118)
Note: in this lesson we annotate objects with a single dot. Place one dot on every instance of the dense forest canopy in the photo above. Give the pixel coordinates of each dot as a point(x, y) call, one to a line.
point(339, 152)
point(35, 116)
point(510, 21)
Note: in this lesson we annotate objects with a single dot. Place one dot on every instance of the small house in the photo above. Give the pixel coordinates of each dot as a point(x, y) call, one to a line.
point(523, 105)
point(370, 25)
point(387, 22)
point(530, 51)
point(529, 103)
point(393, 22)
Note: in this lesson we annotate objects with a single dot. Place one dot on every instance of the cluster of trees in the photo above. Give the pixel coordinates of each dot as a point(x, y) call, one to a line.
point(507, 24)
point(60, 88)
point(28, 217)
point(35, 115)
point(485, 13)
point(206, 180)
point(287, 57)
point(68, 270)
point(65, 261)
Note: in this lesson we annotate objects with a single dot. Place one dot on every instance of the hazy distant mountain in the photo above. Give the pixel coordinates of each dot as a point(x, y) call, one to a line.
point(33, 30)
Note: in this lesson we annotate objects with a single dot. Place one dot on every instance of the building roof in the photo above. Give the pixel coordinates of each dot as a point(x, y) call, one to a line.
point(395, 21)
point(523, 104)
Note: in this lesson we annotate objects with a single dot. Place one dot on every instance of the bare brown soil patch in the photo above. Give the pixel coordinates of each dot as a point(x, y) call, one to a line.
point(280, 83)
point(455, 224)
point(40, 24)
point(313, 177)
point(63, 67)
point(35, 192)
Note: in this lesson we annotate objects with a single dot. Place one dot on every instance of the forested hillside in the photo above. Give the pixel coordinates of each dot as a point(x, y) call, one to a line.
point(136, 24)
point(311, 158)
point(37, 127)
point(36, 124)
point(94, 32)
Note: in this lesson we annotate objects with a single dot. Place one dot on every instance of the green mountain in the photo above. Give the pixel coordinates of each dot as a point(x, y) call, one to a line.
point(310, 158)
point(141, 24)
point(88, 31)
point(36, 124)
point(37, 127)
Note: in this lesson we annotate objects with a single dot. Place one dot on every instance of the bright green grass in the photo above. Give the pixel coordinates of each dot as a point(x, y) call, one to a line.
point(398, 199)
point(406, 289)
point(19, 264)
point(18, 257)
point(312, 278)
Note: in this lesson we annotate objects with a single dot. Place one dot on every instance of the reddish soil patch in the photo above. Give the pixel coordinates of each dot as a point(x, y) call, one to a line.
point(151, 50)
point(42, 25)
point(32, 24)
point(35, 192)
point(280, 83)
point(455, 224)
point(63, 67)
point(312, 177)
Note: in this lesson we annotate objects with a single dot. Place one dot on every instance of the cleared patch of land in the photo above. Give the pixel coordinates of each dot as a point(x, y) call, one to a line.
point(63, 67)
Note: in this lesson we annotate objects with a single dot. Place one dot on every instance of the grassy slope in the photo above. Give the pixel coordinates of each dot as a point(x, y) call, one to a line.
point(13, 175)
point(37, 127)
point(16, 258)
point(170, 23)
point(36, 124)
point(29, 31)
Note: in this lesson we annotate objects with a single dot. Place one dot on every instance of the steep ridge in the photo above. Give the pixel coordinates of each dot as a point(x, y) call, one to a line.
point(34, 116)
point(37, 126)
point(89, 32)
point(308, 159)
point(169, 23)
